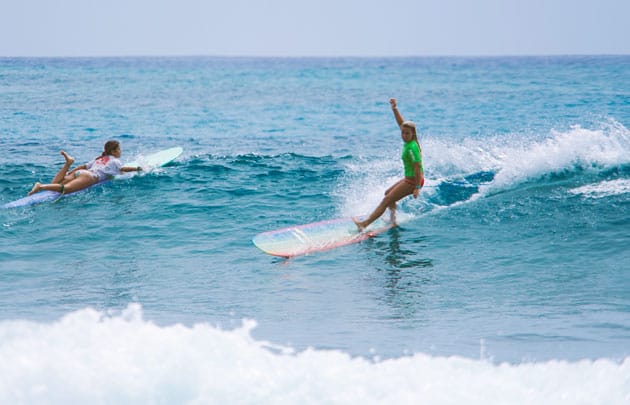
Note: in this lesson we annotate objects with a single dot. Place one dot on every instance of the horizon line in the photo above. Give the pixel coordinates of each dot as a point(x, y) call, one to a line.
point(244, 56)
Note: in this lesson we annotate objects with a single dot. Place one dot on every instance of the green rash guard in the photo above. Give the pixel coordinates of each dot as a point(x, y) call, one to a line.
point(410, 155)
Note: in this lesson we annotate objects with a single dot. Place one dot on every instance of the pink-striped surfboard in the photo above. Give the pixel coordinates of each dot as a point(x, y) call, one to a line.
point(315, 237)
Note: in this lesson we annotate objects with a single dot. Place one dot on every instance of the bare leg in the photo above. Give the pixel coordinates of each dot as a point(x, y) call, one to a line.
point(83, 181)
point(393, 194)
point(36, 188)
point(392, 213)
point(59, 178)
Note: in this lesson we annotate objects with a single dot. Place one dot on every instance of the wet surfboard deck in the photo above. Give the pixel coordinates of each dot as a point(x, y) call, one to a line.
point(316, 237)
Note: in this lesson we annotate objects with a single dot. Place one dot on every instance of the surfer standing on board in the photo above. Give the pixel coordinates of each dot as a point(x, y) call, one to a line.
point(414, 172)
point(101, 168)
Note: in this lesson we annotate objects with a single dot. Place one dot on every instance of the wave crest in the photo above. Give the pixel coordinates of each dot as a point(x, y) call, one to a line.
point(493, 164)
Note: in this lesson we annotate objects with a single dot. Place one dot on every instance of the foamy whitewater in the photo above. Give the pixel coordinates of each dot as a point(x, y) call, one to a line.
point(507, 281)
point(92, 357)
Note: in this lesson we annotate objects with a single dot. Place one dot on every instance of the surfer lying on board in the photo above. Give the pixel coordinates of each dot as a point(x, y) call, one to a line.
point(414, 172)
point(98, 169)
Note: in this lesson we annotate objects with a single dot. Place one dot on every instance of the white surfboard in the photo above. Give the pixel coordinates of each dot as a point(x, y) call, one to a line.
point(316, 237)
point(147, 163)
point(152, 161)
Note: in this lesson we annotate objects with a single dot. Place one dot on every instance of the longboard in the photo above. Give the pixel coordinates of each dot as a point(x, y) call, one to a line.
point(147, 163)
point(315, 237)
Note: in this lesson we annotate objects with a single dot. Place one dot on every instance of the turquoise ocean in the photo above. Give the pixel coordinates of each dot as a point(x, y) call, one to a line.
point(507, 282)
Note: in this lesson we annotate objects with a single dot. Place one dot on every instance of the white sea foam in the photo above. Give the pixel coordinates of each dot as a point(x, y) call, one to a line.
point(603, 189)
point(562, 151)
point(362, 190)
point(93, 357)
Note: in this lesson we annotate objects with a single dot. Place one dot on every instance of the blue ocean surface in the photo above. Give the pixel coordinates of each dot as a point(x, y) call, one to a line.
point(507, 282)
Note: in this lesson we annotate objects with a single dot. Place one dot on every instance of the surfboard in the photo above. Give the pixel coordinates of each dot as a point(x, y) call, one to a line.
point(148, 163)
point(153, 161)
point(315, 237)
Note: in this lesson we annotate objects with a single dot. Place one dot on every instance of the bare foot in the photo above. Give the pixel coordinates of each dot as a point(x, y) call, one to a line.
point(69, 159)
point(35, 189)
point(358, 223)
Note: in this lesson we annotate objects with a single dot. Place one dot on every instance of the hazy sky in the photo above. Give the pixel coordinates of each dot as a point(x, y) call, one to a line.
point(313, 28)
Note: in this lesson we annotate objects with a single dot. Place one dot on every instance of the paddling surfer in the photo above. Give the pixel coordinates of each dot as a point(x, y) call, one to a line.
point(101, 168)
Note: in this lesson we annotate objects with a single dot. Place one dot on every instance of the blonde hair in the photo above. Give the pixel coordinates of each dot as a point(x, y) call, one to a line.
point(411, 125)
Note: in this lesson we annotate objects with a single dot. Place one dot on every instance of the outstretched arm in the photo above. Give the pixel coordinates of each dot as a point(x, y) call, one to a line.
point(397, 115)
point(131, 169)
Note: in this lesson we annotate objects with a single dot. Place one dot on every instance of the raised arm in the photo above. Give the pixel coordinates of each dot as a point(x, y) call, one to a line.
point(399, 118)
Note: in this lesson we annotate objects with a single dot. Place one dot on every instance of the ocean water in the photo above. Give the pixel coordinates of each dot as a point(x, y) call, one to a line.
point(508, 281)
